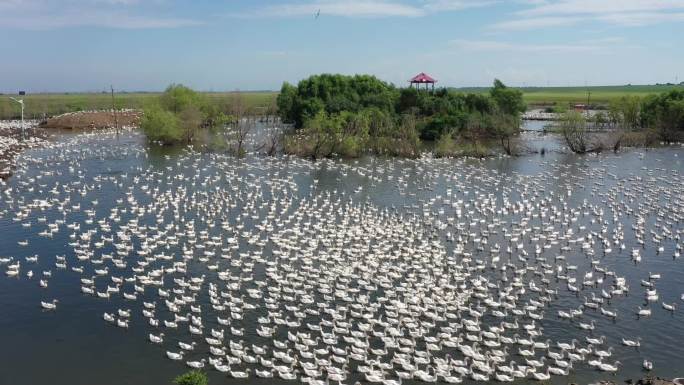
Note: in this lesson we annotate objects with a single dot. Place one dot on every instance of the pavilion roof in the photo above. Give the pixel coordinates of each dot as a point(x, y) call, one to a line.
point(422, 78)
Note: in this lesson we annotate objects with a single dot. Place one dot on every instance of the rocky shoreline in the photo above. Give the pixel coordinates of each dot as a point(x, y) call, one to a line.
point(648, 380)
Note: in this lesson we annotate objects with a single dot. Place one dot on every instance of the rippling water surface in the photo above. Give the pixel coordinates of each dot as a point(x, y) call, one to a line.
point(440, 201)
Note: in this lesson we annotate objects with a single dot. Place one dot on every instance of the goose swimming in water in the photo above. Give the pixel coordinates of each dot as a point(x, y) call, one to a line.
point(633, 343)
point(52, 305)
point(196, 364)
point(648, 365)
point(332, 276)
point(156, 339)
point(609, 368)
point(175, 356)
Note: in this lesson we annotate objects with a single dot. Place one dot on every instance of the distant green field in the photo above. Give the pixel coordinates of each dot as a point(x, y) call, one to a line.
point(39, 105)
point(573, 95)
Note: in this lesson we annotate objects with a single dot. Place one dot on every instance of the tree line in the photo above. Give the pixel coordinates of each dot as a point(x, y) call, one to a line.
point(635, 120)
point(343, 115)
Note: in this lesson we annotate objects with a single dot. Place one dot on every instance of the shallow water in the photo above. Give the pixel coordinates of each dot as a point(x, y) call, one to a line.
point(74, 345)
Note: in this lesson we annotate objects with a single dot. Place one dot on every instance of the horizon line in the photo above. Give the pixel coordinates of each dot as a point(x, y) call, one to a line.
point(5, 93)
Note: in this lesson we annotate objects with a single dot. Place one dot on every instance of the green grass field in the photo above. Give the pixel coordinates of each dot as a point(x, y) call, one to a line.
point(39, 105)
point(572, 95)
point(54, 104)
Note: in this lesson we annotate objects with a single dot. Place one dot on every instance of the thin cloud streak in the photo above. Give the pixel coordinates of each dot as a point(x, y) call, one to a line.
point(457, 5)
point(536, 23)
point(348, 8)
point(601, 7)
point(364, 8)
point(563, 13)
point(115, 14)
point(642, 19)
point(499, 46)
point(104, 20)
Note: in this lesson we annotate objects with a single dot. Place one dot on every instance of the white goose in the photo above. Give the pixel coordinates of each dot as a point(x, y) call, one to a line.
point(156, 339)
point(175, 356)
point(52, 305)
point(609, 368)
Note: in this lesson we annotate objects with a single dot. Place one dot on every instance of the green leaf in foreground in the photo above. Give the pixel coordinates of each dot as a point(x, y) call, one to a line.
point(193, 377)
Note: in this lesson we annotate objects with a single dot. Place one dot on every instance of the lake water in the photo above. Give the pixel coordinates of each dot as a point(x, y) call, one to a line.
point(428, 203)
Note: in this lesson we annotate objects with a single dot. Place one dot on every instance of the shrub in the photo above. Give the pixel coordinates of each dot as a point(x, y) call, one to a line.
point(161, 126)
point(178, 97)
point(445, 146)
point(177, 115)
point(573, 127)
point(350, 147)
point(193, 377)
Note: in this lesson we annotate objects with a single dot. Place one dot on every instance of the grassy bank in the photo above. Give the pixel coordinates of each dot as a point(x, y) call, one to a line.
point(38, 105)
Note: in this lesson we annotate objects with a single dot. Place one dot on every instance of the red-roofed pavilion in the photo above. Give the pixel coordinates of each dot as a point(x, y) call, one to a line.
point(423, 78)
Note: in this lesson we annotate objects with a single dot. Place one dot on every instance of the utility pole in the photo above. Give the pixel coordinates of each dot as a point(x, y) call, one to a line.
point(588, 102)
point(116, 120)
point(21, 102)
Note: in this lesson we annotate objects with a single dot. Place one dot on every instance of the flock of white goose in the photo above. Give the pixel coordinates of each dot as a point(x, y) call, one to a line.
point(334, 272)
point(11, 145)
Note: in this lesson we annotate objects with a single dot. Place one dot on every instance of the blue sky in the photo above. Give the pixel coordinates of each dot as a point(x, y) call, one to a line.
point(85, 45)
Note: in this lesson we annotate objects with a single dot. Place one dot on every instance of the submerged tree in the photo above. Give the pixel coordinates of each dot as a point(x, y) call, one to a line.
point(177, 115)
point(573, 127)
point(162, 126)
point(505, 128)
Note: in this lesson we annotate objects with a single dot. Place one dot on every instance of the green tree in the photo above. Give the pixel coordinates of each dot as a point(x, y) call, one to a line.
point(627, 112)
point(663, 112)
point(509, 100)
point(323, 133)
point(193, 377)
point(178, 114)
point(505, 126)
point(178, 97)
point(333, 94)
point(191, 118)
point(161, 126)
point(286, 100)
point(574, 130)
point(670, 120)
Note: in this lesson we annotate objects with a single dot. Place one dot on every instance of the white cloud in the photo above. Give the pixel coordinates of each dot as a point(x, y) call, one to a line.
point(456, 5)
point(602, 7)
point(559, 13)
point(346, 8)
point(536, 23)
point(122, 14)
point(365, 8)
point(642, 18)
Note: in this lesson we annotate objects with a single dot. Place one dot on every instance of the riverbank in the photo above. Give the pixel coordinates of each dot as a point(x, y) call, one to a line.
point(12, 144)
